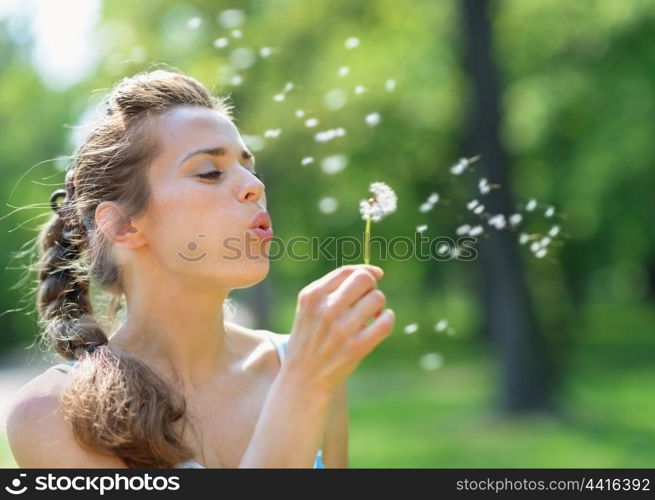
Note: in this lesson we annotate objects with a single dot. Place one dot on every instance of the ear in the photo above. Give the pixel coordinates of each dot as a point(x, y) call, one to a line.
point(111, 221)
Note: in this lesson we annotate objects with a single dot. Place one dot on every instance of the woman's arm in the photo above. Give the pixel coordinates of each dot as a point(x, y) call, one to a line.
point(335, 439)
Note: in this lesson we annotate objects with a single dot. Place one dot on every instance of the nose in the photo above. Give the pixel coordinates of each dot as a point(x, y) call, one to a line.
point(252, 188)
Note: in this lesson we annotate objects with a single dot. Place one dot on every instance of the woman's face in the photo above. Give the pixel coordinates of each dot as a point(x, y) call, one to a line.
point(205, 196)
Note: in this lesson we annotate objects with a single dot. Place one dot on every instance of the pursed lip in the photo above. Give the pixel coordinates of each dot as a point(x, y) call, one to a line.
point(261, 220)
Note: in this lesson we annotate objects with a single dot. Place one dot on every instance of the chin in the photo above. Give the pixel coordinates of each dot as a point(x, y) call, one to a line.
point(253, 272)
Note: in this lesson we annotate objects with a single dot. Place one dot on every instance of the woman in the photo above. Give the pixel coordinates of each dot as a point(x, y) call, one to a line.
point(156, 190)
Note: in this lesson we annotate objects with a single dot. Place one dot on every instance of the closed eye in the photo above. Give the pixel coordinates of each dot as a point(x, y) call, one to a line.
point(214, 174)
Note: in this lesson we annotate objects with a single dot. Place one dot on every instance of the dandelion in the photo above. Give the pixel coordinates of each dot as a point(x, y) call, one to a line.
point(343, 71)
point(531, 205)
point(328, 205)
point(383, 202)
point(306, 161)
point(352, 43)
point(372, 119)
point(431, 361)
point(421, 228)
point(411, 328)
point(390, 84)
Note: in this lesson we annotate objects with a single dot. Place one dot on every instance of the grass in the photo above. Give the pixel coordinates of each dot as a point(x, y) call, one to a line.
point(402, 417)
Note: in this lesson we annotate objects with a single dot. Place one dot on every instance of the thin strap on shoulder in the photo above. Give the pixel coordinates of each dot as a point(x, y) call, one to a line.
point(280, 345)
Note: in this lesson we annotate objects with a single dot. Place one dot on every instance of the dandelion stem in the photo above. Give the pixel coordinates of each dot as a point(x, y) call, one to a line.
point(367, 239)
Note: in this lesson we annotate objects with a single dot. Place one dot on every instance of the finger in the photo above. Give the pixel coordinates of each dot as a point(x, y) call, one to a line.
point(353, 288)
point(371, 304)
point(368, 338)
point(331, 281)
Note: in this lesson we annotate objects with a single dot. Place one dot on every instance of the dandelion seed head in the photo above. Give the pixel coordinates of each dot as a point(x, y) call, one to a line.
point(222, 42)
point(411, 328)
point(390, 85)
point(372, 119)
point(334, 164)
point(421, 228)
point(531, 205)
point(352, 42)
point(343, 71)
point(431, 361)
point(311, 122)
point(383, 202)
point(328, 205)
point(306, 161)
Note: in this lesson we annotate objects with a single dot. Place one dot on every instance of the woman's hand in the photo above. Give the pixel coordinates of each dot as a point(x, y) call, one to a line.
point(330, 336)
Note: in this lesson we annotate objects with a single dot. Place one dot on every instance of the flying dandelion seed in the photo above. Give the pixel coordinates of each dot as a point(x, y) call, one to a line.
point(254, 142)
point(545, 241)
point(472, 204)
point(498, 221)
point(335, 99)
point(433, 198)
point(541, 253)
point(352, 43)
point(334, 164)
point(553, 231)
point(222, 42)
point(194, 23)
point(288, 87)
point(550, 211)
point(279, 97)
point(431, 361)
point(455, 252)
point(328, 205)
point(265, 51)
point(479, 209)
point(523, 238)
point(532, 204)
point(236, 33)
point(328, 135)
point(306, 161)
point(311, 122)
point(421, 228)
point(390, 85)
point(515, 219)
point(443, 249)
point(372, 119)
point(483, 186)
point(231, 18)
point(300, 113)
point(275, 132)
point(236, 80)
point(343, 71)
point(382, 202)
point(360, 89)
point(476, 231)
point(243, 57)
point(463, 229)
point(441, 325)
point(411, 328)
point(425, 207)
point(535, 247)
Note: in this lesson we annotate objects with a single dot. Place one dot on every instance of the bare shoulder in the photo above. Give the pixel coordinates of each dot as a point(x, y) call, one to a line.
point(258, 341)
point(256, 336)
point(38, 435)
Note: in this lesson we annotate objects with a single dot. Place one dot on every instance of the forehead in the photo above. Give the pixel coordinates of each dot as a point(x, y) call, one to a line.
point(186, 128)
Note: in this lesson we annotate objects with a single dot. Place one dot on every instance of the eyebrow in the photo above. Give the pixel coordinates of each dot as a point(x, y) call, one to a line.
point(217, 151)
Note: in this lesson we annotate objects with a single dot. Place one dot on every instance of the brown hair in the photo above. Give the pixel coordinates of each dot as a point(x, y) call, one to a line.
point(115, 403)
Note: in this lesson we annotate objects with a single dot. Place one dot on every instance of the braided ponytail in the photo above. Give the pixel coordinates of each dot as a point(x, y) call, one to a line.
point(115, 403)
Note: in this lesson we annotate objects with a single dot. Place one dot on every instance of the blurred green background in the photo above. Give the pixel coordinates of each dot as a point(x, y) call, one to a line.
point(546, 362)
